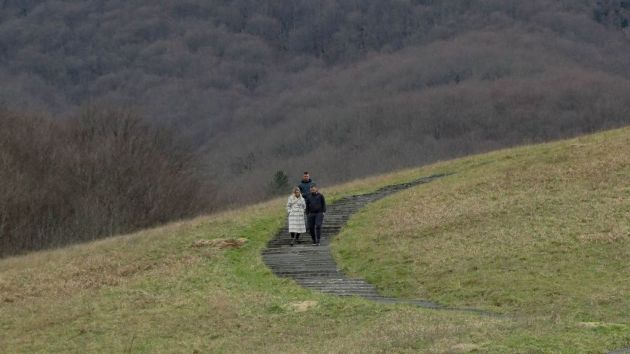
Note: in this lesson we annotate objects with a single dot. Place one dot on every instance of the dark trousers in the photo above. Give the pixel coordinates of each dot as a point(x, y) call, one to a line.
point(315, 221)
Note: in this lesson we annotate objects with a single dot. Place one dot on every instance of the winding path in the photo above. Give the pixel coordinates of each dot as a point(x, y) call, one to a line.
point(314, 267)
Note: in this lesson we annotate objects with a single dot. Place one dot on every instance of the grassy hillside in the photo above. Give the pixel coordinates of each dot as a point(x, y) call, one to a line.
point(539, 232)
point(155, 292)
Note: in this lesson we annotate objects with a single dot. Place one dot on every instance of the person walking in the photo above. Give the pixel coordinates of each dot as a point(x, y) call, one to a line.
point(315, 209)
point(295, 210)
point(305, 189)
point(305, 184)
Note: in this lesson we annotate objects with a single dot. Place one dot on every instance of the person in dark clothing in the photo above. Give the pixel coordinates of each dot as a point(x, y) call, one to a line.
point(305, 184)
point(315, 209)
point(305, 189)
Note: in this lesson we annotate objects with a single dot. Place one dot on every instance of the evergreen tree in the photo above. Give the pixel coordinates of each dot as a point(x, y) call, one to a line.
point(279, 184)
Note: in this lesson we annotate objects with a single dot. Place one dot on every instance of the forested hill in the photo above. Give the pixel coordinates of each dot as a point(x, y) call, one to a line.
point(341, 88)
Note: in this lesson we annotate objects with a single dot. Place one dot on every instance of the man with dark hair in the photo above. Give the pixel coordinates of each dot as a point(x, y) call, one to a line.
point(315, 209)
point(305, 184)
point(305, 189)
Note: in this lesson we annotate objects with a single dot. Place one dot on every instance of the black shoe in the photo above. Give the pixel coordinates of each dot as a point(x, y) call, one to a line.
point(314, 244)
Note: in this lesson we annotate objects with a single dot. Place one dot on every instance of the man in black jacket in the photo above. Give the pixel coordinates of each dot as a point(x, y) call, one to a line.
point(315, 209)
point(305, 188)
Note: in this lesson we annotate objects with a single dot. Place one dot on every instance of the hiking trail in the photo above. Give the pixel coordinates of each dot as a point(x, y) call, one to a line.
point(314, 267)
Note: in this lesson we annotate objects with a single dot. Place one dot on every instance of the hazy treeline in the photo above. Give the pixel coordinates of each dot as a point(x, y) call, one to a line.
point(341, 88)
point(195, 62)
point(96, 174)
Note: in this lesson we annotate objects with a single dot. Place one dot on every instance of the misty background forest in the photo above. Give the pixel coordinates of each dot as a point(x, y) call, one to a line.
point(119, 115)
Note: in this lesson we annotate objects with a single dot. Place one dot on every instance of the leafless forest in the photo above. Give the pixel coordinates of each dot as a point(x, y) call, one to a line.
point(118, 115)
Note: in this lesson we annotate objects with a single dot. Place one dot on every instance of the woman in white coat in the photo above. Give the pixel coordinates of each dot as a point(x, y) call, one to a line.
point(295, 208)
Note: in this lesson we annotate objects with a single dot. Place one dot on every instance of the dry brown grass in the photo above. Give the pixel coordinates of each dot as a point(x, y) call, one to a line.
point(538, 230)
point(153, 292)
point(220, 243)
point(112, 262)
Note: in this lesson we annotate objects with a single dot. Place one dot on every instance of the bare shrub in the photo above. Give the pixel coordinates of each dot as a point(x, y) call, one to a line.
point(100, 173)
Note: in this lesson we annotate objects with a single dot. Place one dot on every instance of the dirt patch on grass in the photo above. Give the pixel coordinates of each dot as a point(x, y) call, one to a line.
point(220, 243)
point(464, 348)
point(611, 236)
point(592, 325)
point(303, 306)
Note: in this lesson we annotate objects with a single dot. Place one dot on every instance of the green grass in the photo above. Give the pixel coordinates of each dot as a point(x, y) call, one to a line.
point(152, 292)
point(541, 233)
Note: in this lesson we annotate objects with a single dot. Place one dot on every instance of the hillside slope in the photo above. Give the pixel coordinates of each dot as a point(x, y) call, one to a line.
point(541, 232)
point(161, 291)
